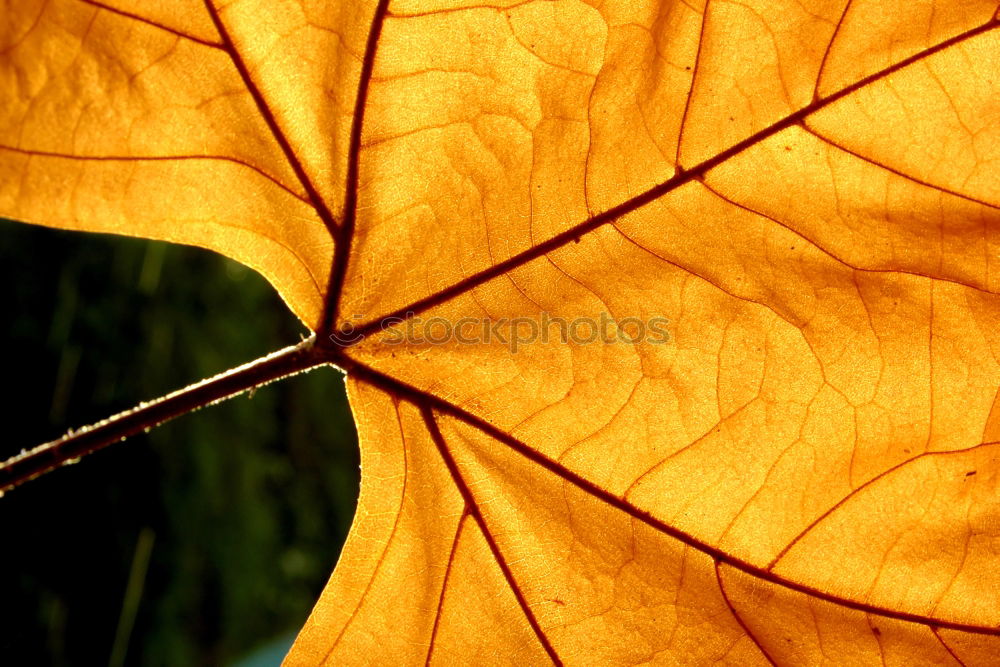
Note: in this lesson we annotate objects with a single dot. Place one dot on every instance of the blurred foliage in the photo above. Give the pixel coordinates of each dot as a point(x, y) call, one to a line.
point(241, 507)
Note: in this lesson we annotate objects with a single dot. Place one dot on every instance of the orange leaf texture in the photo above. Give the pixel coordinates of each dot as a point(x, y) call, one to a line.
point(804, 471)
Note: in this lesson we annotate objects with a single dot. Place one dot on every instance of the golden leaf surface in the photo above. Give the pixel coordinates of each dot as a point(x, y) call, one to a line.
point(805, 473)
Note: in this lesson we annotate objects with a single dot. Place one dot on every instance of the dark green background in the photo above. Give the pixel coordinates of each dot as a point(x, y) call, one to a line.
point(245, 504)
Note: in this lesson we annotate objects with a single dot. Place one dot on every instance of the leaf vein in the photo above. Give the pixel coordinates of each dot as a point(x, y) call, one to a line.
point(431, 401)
point(654, 193)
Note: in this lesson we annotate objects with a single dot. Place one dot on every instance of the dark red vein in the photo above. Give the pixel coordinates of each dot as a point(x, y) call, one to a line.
point(176, 158)
point(943, 643)
point(317, 201)
point(637, 202)
point(829, 47)
point(342, 251)
point(477, 516)
point(739, 619)
point(854, 492)
point(155, 158)
point(423, 398)
point(150, 22)
point(897, 172)
point(840, 260)
point(694, 80)
point(455, 10)
point(876, 633)
point(444, 585)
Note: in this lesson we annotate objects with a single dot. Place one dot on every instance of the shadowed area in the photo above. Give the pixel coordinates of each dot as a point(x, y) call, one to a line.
point(201, 540)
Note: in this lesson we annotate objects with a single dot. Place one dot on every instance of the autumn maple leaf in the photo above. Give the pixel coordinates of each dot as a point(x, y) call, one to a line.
point(805, 471)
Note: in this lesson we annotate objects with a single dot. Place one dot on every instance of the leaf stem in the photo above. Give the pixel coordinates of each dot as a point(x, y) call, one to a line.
point(68, 449)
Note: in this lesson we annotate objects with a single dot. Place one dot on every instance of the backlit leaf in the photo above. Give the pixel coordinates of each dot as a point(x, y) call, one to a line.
point(805, 472)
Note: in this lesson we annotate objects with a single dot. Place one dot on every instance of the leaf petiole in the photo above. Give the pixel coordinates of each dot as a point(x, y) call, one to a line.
point(68, 449)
